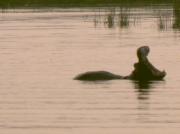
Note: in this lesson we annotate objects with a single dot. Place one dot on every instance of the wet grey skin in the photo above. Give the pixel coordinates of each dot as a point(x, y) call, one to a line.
point(143, 70)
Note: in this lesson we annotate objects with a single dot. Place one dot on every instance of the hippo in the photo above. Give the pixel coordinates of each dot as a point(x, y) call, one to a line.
point(143, 70)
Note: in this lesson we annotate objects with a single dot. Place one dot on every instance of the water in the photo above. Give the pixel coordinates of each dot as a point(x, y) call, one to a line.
point(42, 50)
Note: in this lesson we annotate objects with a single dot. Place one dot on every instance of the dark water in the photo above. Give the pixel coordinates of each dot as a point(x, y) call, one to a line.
point(42, 50)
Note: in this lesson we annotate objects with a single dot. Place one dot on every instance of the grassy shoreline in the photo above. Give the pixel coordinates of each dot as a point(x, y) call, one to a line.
point(81, 3)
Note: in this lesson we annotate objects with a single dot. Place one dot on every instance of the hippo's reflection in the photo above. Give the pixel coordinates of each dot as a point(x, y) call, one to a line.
point(143, 92)
point(143, 89)
point(143, 86)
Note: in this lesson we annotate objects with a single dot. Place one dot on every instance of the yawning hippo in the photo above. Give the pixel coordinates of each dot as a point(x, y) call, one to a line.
point(143, 70)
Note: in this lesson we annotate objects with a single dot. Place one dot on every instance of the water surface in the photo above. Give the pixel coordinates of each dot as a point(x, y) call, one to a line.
point(42, 50)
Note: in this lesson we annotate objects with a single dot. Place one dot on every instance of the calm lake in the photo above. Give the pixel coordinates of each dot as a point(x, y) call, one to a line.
point(42, 50)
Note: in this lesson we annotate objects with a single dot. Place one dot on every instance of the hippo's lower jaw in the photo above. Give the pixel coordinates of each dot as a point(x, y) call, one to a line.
point(143, 70)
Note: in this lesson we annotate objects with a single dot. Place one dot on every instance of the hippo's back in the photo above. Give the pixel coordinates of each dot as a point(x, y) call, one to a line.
point(97, 75)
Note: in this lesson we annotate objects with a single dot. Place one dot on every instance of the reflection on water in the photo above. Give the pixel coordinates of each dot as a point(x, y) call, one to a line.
point(113, 18)
point(164, 21)
point(144, 88)
point(141, 85)
point(127, 17)
point(143, 94)
point(176, 12)
point(110, 20)
point(123, 20)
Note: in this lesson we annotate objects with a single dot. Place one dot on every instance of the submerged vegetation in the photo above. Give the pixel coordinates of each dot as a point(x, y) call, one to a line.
point(176, 12)
point(123, 18)
point(67, 3)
